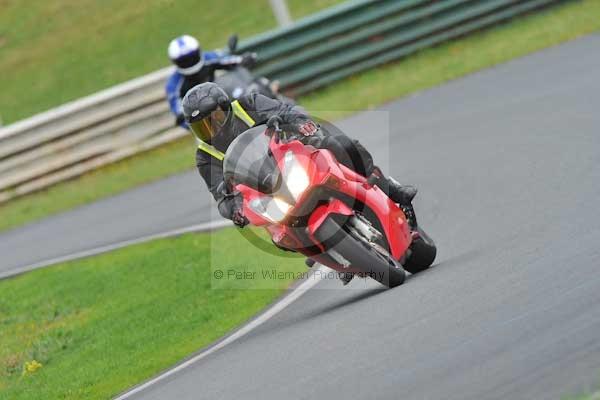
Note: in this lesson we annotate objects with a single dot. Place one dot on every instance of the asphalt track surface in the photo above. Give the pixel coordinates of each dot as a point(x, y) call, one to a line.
point(508, 166)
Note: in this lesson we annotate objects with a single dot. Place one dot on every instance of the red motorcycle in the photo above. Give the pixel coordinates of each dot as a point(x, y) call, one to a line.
point(310, 203)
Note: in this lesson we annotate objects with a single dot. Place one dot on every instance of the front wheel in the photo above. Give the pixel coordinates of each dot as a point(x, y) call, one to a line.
point(360, 254)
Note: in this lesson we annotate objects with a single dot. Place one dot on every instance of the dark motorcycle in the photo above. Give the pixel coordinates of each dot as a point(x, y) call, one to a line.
point(240, 80)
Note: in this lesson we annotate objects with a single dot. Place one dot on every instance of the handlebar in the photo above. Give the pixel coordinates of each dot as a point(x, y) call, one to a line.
point(273, 124)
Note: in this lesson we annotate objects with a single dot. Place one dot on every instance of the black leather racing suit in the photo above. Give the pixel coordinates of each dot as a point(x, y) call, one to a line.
point(260, 108)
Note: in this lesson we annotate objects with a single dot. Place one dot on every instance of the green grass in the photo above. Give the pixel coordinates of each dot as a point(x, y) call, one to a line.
point(100, 325)
point(53, 51)
point(594, 396)
point(362, 91)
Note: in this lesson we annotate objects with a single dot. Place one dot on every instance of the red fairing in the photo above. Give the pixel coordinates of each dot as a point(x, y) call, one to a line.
point(324, 172)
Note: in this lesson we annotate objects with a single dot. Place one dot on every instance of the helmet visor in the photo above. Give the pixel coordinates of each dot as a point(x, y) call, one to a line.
point(188, 60)
point(209, 127)
point(203, 129)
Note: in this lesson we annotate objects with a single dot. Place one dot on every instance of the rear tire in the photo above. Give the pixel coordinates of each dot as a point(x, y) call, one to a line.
point(423, 252)
point(381, 267)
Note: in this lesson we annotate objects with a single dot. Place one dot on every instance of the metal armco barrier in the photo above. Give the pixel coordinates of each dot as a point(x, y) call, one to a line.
point(133, 117)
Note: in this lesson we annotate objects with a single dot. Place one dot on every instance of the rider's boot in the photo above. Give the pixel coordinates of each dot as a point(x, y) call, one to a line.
point(401, 194)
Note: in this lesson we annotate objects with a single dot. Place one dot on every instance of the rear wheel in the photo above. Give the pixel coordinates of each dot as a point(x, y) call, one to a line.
point(371, 259)
point(423, 252)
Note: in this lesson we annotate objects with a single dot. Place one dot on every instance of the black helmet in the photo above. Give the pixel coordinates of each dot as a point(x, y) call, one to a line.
point(206, 107)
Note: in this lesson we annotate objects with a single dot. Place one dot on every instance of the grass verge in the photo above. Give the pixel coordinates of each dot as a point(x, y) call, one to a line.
point(595, 396)
point(367, 90)
point(75, 330)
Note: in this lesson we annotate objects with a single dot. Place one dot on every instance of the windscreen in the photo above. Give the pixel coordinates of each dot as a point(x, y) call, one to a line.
point(248, 161)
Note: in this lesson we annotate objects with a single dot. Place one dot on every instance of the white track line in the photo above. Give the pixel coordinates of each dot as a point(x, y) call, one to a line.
point(203, 227)
point(261, 319)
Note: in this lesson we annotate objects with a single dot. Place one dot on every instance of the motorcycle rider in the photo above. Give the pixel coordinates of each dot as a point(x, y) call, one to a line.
point(194, 66)
point(216, 122)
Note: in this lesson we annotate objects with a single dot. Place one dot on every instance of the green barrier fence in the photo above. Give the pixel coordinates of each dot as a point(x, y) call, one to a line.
point(358, 35)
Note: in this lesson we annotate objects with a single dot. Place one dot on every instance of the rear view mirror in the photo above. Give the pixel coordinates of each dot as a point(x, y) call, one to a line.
point(232, 43)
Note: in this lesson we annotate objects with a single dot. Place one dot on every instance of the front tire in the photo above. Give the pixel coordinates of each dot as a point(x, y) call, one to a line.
point(371, 262)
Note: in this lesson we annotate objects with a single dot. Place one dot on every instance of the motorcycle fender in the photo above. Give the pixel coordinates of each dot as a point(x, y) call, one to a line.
point(321, 213)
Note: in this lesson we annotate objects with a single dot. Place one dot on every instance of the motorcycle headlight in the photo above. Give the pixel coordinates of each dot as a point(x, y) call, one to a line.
point(294, 175)
point(272, 208)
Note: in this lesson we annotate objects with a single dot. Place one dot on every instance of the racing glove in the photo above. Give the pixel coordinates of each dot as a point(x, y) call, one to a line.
point(239, 219)
point(308, 128)
point(230, 207)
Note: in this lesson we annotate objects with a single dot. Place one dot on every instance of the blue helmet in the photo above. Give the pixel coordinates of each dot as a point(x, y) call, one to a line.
point(186, 54)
